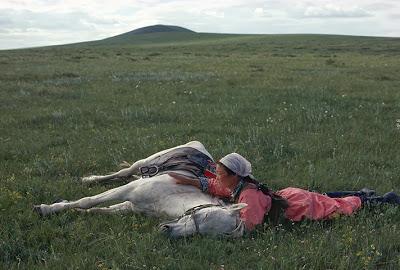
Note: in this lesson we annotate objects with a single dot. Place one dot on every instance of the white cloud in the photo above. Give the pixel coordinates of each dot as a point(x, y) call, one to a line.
point(214, 13)
point(335, 11)
point(22, 20)
point(259, 12)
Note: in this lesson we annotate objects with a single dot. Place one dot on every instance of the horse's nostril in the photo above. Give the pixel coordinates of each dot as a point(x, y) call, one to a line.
point(37, 209)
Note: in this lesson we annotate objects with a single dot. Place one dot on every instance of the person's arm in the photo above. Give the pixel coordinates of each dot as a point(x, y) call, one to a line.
point(185, 180)
point(209, 186)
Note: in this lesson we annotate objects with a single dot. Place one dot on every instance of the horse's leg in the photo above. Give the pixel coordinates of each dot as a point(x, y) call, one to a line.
point(120, 208)
point(134, 168)
point(124, 173)
point(118, 193)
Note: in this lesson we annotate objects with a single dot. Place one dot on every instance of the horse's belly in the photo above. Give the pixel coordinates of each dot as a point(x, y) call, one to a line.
point(161, 196)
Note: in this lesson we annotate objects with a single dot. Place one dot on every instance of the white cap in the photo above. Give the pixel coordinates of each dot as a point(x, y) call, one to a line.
point(237, 164)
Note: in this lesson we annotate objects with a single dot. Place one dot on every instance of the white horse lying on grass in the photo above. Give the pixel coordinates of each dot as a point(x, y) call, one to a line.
point(158, 195)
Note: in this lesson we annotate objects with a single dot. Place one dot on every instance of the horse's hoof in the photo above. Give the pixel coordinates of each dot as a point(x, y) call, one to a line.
point(60, 201)
point(124, 164)
point(88, 179)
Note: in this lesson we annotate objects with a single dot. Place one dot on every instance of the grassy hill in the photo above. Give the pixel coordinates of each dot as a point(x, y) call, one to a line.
point(158, 28)
point(313, 111)
point(151, 34)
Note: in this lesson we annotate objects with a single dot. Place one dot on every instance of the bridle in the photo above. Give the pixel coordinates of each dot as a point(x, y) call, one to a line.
point(193, 210)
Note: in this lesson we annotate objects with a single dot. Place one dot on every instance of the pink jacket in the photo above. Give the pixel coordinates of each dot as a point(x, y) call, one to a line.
point(303, 204)
point(257, 203)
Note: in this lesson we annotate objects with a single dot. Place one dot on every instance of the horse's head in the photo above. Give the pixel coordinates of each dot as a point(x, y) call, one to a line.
point(209, 220)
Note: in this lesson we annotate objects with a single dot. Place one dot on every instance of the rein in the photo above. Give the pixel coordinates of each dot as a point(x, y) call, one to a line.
point(193, 210)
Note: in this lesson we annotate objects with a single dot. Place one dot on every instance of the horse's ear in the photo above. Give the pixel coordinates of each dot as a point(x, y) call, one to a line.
point(236, 207)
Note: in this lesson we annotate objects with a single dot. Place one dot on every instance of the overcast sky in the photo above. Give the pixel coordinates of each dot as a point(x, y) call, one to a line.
point(27, 23)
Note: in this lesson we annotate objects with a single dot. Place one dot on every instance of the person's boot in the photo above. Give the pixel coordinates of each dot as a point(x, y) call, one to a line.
point(364, 192)
point(391, 198)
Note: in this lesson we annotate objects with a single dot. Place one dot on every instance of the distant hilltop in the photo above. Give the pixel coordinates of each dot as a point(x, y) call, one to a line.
point(158, 28)
point(154, 29)
point(153, 34)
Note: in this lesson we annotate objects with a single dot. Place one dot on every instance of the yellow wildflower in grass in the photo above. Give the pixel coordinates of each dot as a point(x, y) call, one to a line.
point(368, 255)
point(11, 195)
point(15, 195)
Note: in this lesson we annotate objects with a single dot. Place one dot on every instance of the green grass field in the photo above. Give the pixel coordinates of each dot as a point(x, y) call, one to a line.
point(311, 111)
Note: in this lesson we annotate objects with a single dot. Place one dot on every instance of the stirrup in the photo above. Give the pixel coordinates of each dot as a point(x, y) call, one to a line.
point(148, 171)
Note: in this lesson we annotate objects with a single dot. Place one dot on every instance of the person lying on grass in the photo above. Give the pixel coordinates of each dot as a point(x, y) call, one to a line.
point(234, 182)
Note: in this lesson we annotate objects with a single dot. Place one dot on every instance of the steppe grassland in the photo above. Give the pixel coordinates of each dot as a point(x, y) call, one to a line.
point(317, 112)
